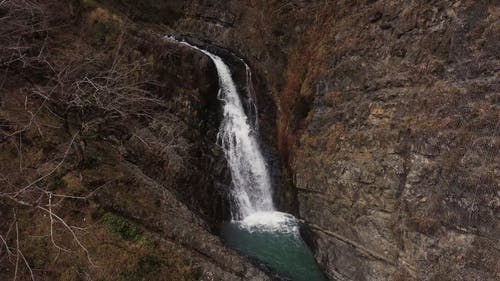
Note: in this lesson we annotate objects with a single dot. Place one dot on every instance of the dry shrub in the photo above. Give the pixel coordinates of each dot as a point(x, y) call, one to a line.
point(430, 217)
point(118, 88)
point(95, 84)
point(23, 28)
point(304, 66)
point(105, 25)
point(402, 275)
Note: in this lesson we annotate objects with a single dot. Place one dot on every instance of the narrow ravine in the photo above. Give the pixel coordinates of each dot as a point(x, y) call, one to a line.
point(256, 229)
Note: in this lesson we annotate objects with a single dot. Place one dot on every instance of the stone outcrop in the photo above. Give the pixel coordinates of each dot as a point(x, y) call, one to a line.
point(387, 126)
point(119, 126)
point(380, 120)
point(399, 146)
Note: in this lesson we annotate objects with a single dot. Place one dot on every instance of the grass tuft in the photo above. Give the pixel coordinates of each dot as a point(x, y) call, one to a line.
point(120, 226)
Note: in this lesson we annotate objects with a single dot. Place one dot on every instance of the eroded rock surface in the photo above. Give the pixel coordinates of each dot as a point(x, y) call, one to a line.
point(109, 165)
point(387, 123)
point(384, 115)
point(401, 144)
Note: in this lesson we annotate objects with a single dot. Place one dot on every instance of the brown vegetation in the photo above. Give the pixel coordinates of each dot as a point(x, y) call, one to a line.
point(58, 91)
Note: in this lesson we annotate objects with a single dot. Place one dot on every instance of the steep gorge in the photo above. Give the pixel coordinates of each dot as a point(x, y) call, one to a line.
point(387, 125)
point(379, 118)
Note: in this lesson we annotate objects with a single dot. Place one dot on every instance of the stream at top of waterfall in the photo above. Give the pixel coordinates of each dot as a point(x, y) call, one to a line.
point(257, 229)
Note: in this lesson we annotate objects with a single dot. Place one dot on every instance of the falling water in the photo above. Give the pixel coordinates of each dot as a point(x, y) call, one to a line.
point(251, 190)
point(252, 99)
point(256, 229)
point(251, 182)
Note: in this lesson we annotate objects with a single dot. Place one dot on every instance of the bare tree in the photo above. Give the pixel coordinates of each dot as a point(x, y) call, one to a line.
point(23, 30)
point(108, 84)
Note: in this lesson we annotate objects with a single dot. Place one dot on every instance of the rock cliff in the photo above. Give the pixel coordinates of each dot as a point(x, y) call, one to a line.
point(109, 166)
point(379, 118)
point(387, 125)
point(400, 145)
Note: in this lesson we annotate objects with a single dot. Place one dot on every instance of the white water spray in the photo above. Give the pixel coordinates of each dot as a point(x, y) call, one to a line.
point(252, 98)
point(257, 229)
point(251, 183)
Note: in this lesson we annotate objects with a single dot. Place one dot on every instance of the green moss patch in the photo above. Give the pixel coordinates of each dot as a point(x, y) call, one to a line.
point(120, 226)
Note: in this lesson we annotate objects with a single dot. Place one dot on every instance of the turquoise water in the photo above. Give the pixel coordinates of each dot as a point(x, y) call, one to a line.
point(282, 251)
point(263, 233)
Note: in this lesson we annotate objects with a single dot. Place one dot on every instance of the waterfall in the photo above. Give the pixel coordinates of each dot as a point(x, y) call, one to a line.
point(256, 229)
point(252, 99)
point(251, 185)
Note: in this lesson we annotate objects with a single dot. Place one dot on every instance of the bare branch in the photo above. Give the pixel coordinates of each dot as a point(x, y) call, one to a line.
point(69, 228)
point(58, 218)
point(51, 171)
point(52, 226)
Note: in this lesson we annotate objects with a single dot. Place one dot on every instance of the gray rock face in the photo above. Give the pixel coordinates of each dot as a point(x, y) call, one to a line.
point(387, 126)
point(385, 115)
point(401, 148)
point(177, 173)
point(172, 223)
point(127, 145)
